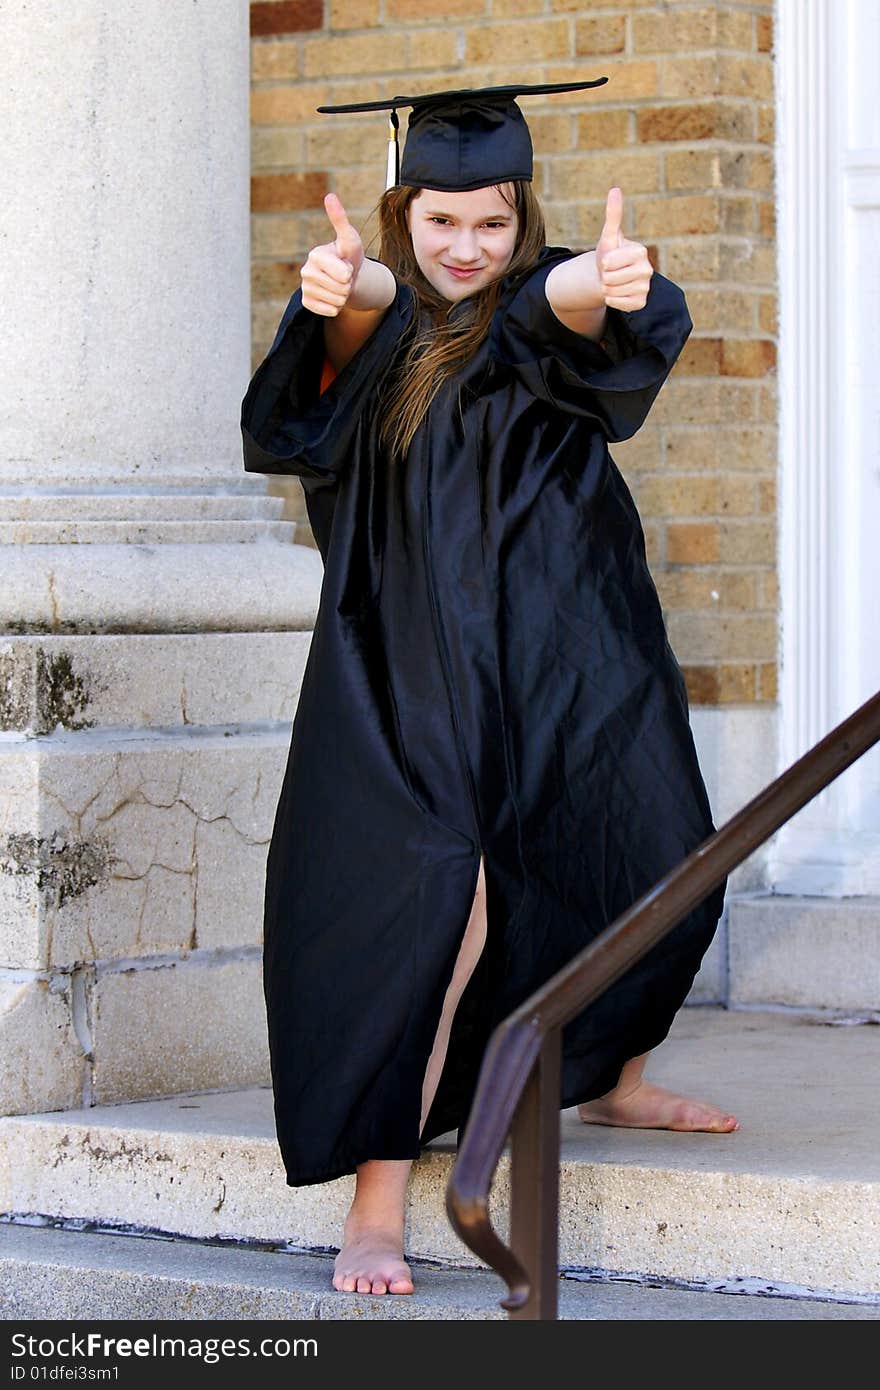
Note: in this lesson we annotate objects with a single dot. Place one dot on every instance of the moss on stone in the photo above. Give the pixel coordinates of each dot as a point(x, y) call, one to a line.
point(60, 868)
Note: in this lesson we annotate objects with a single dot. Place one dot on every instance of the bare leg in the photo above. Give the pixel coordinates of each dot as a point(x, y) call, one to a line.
point(638, 1104)
point(371, 1259)
point(469, 953)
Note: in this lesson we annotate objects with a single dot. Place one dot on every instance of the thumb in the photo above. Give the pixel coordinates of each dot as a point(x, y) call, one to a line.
point(611, 235)
point(347, 239)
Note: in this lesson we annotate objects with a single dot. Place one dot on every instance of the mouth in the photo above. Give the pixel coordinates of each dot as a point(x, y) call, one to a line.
point(462, 274)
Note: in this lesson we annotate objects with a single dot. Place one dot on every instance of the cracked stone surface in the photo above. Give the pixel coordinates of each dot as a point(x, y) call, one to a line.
point(133, 847)
point(19, 845)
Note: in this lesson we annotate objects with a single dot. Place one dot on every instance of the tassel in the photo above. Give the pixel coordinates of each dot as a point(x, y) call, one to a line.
point(392, 175)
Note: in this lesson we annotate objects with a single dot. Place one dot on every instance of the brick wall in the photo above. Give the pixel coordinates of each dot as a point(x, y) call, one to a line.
point(685, 127)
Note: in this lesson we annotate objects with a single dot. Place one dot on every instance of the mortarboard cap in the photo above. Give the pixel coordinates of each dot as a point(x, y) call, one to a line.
point(460, 140)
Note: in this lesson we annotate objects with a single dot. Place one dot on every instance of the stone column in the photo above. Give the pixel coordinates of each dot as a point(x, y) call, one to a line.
point(154, 613)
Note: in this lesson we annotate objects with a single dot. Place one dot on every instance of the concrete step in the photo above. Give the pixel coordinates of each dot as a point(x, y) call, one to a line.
point(804, 952)
point(66, 1274)
point(792, 1199)
point(146, 505)
point(146, 531)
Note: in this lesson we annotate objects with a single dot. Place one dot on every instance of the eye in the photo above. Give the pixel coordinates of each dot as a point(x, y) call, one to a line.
point(436, 218)
point(493, 224)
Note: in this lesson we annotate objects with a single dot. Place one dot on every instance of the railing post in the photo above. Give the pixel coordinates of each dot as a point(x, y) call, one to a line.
point(534, 1182)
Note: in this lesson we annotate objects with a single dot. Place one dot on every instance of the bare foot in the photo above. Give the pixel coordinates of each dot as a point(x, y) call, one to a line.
point(371, 1261)
point(647, 1106)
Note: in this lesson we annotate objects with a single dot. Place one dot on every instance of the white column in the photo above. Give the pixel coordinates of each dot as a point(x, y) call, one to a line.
point(154, 616)
point(125, 351)
point(860, 458)
point(829, 238)
point(124, 274)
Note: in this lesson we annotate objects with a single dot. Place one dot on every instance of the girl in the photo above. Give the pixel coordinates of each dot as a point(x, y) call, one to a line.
point(491, 757)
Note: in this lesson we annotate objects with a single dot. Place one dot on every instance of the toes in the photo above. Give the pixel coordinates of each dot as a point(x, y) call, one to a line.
point(372, 1283)
point(715, 1120)
point(710, 1119)
point(401, 1285)
point(374, 1271)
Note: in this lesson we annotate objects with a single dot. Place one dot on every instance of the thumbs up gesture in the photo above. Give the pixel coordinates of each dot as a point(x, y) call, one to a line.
point(331, 270)
point(622, 266)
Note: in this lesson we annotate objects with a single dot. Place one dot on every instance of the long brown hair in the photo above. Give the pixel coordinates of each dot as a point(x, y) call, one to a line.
point(441, 336)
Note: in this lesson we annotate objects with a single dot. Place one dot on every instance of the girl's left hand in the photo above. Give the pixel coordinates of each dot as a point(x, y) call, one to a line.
point(622, 266)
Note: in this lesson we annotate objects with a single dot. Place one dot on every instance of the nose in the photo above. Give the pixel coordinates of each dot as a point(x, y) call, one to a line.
point(465, 248)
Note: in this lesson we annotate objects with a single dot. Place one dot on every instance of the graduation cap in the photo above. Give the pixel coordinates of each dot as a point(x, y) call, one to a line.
point(462, 139)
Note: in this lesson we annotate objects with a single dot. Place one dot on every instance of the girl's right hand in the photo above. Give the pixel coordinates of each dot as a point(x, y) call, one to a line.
point(330, 271)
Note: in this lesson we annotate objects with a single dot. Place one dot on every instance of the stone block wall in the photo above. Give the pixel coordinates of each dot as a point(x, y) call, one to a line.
point(685, 126)
point(138, 783)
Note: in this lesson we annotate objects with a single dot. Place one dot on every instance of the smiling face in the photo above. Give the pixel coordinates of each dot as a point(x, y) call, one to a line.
point(462, 241)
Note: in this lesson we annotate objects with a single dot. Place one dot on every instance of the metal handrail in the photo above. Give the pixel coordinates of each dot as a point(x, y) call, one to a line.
point(518, 1089)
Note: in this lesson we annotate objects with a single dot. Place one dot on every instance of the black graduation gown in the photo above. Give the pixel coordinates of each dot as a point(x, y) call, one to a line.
point(489, 673)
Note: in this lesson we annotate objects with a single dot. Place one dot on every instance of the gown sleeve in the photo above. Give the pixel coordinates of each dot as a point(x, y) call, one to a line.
point(615, 380)
point(288, 423)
